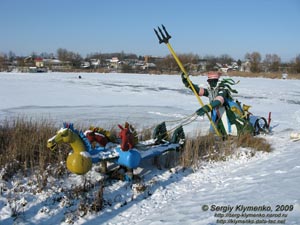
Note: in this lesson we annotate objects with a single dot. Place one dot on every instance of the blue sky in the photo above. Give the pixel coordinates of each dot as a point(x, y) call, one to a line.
point(203, 27)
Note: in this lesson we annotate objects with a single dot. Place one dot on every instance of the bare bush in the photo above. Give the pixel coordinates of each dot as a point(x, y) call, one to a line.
point(209, 147)
point(256, 143)
point(23, 145)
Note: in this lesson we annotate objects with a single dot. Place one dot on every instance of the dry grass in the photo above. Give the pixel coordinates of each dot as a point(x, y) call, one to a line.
point(204, 147)
point(145, 134)
point(256, 143)
point(209, 147)
point(23, 148)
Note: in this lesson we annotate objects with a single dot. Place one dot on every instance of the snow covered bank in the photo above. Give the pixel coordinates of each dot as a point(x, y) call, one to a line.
point(172, 196)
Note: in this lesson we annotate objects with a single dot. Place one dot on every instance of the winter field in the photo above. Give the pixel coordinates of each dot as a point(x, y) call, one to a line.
point(263, 189)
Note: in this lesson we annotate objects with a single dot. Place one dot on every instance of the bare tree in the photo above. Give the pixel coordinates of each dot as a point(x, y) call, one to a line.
point(272, 62)
point(11, 56)
point(255, 59)
point(168, 63)
point(211, 62)
point(2, 62)
point(297, 64)
point(65, 55)
point(62, 54)
point(225, 59)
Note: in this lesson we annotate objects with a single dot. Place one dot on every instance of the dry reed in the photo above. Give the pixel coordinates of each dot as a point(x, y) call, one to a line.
point(23, 148)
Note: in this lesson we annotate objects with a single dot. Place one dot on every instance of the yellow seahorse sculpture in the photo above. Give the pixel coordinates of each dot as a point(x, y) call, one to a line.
point(79, 161)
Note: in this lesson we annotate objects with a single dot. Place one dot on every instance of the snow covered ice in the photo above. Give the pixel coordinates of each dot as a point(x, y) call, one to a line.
point(175, 196)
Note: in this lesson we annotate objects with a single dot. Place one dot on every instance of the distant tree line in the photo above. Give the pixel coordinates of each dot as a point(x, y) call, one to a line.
point(270, 62)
